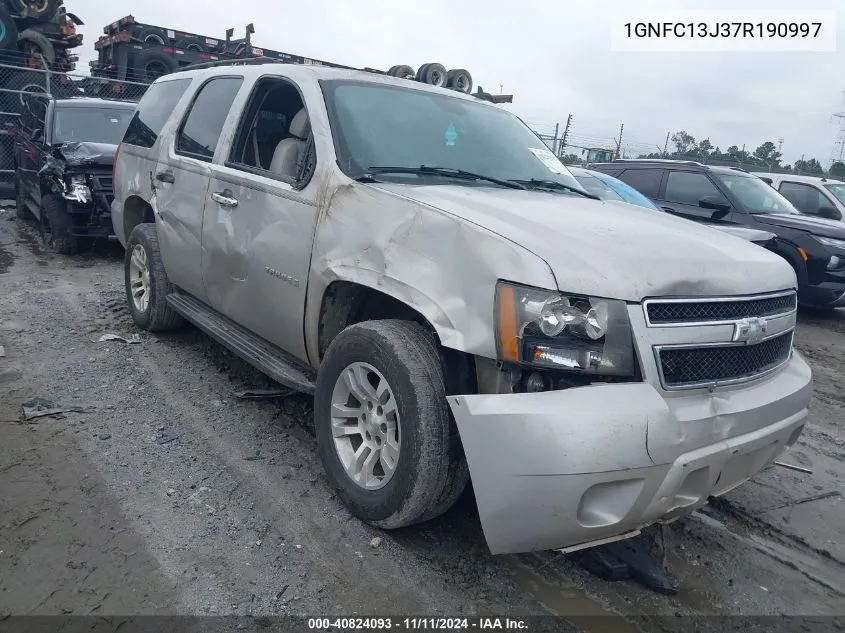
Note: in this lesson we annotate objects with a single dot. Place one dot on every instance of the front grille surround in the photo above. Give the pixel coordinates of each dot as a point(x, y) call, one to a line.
point(692, 311)
point(700, 365)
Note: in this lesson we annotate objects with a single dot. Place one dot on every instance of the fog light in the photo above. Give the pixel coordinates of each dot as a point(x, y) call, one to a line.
point(835, 263)
point(535, 383)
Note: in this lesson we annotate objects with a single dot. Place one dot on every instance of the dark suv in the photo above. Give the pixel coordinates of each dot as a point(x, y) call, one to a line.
point(64, 155)
point(731, 196)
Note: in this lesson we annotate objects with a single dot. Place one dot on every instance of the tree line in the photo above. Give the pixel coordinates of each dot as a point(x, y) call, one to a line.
point(765, 158)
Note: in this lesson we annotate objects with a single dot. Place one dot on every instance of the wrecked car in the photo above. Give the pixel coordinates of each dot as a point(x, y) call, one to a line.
point(64, 154)
point(456, 302)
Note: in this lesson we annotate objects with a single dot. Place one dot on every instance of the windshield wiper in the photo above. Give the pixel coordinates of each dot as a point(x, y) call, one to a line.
point(447, 172)
point(535, 183)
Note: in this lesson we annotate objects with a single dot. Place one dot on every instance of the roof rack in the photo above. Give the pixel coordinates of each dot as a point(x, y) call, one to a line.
point(659, 160)
point(260, 61)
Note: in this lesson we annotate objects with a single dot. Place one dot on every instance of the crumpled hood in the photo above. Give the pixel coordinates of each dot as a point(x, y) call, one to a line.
point(612, 249)
point(78, 154)
point(817, 226)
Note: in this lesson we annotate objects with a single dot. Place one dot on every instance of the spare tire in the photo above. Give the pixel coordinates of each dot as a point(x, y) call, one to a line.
point(151, 64)
point(192, 43)
point(153, 36)
point(460, 80)
point(8, 31)
point(433, 74)
point(31, 41)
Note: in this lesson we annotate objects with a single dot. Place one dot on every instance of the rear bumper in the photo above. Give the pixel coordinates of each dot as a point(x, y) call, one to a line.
point(562, 468)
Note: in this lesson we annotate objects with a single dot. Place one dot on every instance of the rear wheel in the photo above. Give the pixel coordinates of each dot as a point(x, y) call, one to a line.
point(56, 226)
point(384, 433)
point(147, 285)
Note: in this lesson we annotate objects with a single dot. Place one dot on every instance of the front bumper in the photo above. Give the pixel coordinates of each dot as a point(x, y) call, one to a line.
point(562, 468)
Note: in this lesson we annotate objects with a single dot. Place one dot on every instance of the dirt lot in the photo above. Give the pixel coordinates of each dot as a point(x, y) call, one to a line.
point(169, 495)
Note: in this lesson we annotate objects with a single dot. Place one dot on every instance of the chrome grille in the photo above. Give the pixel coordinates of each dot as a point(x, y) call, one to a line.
point(685, 367)
point(685, 311)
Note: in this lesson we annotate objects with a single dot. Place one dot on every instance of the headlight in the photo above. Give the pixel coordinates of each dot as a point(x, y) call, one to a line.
point(829, 241)
point(563, 331)
point(78, 190)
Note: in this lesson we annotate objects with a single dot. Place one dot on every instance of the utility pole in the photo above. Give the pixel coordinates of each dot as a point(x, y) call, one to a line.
point(555, 146)
point(666, 145)
point(565, 134)
point(619, 140)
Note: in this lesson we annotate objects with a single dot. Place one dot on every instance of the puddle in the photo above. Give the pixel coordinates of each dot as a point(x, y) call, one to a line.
point(569, 602)
point(6, 260)
point(816, 568)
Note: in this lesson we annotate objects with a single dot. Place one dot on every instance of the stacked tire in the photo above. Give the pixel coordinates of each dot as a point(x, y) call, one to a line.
point(435, 74)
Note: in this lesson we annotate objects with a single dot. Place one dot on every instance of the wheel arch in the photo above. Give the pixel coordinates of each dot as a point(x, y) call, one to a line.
point(136, 211)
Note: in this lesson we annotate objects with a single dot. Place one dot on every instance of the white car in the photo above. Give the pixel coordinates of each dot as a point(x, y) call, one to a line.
point(813, 195)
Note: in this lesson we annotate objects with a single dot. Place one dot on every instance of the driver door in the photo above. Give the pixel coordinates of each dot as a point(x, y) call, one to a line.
point(683, 192)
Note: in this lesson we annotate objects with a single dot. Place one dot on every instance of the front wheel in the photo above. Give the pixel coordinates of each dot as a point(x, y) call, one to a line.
point(384, 433)
point(147, 285)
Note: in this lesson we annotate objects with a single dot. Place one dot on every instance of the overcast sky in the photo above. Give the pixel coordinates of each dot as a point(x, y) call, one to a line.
point(553, 55)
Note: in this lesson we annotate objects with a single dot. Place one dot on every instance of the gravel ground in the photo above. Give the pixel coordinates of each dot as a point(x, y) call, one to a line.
point(168, 495)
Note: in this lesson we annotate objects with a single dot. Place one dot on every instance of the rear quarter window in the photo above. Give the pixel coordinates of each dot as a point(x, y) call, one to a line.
point(154, 109)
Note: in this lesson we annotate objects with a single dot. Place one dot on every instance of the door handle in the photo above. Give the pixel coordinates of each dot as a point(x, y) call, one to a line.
point(224, 198)
point(165, 176)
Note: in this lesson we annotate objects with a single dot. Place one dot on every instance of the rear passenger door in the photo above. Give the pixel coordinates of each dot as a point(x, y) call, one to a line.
point(683, 192)
point(181, 181)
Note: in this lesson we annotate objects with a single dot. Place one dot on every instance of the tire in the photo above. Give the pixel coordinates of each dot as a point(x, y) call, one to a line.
point(402, 71)
point(36, 41)
point(23, 81)
point(149, 65)
point(192, 44)
point(155, 315)
point(428, 474)
point(43, 10)
point(8, 31)
point(460, 80)
point(433, 74)
point(56, 224)
point(153, 37)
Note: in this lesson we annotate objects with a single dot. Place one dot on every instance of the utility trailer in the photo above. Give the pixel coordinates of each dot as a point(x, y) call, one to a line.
point(130, 50)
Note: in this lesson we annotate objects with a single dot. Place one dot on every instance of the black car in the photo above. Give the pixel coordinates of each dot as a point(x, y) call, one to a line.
point(731, 196)
point(64, 154)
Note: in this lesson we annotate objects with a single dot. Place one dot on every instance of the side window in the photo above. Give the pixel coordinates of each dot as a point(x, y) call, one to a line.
point(200, 130)
point(155, 107)
point(805, 198)
point(687, 187)
point(274, 134)
point(646, 181)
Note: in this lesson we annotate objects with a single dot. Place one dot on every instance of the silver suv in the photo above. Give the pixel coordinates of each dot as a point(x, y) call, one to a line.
point(457, 304)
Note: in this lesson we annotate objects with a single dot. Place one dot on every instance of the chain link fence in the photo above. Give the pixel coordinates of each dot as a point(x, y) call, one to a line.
point(21, 79)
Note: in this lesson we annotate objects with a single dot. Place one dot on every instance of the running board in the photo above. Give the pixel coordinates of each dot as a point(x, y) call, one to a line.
point(264, 356)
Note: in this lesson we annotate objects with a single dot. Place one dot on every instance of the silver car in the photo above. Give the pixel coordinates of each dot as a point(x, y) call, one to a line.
point(460, 307)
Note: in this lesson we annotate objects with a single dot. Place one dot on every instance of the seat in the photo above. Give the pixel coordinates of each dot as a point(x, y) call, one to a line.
point(286, 156)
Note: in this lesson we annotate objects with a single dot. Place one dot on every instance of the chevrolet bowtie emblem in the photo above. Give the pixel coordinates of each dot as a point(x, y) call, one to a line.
point(750, 330)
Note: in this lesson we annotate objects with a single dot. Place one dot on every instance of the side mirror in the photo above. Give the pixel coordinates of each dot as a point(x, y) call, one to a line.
point(830, 213)
point(717, 204)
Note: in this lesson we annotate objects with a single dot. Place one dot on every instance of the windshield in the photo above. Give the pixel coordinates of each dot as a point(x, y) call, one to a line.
point(378, 125)
point(755, 195)
point(626, 192)
point(91, 125)
point(837, 190)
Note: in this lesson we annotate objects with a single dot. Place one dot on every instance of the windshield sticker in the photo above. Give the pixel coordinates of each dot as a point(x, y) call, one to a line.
point(551, 161)
point(451, 135)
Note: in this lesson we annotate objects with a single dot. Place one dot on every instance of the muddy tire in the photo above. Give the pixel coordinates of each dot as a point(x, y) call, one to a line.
point(8, 31)
point(384, 432)
point(56, 224)
point(147, 285)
